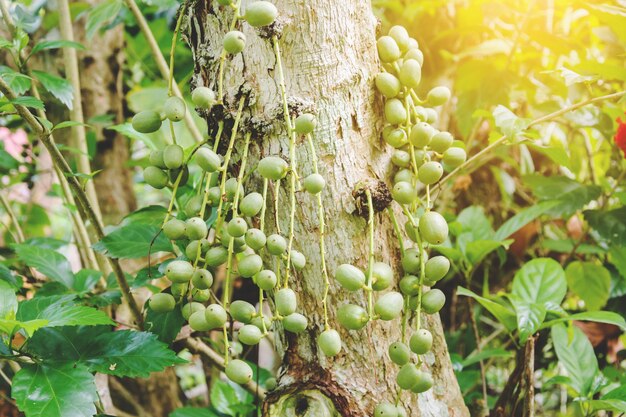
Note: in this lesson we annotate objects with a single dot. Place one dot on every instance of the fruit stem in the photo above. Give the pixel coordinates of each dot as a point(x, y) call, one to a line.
point(276, 198)
point(264, 208)
point(420, 247)
point(396, 229)
point(242, 170)
point(170, 81)
point(370, 257)
point(220, 82)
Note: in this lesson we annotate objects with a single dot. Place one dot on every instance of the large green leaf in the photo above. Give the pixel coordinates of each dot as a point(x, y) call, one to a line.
point(486, 354)
point(101, 14)
point(49, 262)
point(223, 397)
point(570, 194)
point(508, 122)
point(8, 301)
point(57, 86)
point(61, 310)
point(503, 314)
point(522, 218)
point(193, 412)
point(540, 281)
point(530, 317)
point(150, 215)
point(617, 256)
point(165, 325)
point(46, 390)
point(10, 326)
point(473, 220)
point(614, 404)
point(7, 276)
point(609, 317)
point(577, 356)
point(590, 281)
point(133, 241)
point(477, 250)
point(611, 224)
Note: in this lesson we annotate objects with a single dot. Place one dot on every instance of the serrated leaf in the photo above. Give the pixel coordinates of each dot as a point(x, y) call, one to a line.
point(86, 280)
point(48, 262)
point(28, 101)
point(589, 281)
point(61, 310)
point(503, 314)
point(12, 326)
point(46, 390)
point(611, 224)
point(150, 215)
point(19, 83)
point(133, 241)
point(103, 13)
point(45, 45)
point(165, 325)
point(508, 122)
point(540, 281)
point(57, 86)
point(522, 218)
point(223, 396)
point(577, 356)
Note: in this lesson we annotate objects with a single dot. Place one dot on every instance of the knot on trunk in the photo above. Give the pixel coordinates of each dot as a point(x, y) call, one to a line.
point(381, 196)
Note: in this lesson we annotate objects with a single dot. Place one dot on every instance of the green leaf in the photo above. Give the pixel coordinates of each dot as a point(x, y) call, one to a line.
point(503, 314)
point(165, 325)
point(530, 317)
point(522, 218)
point(486, 354)
point(150, 215)
point(50, 263)
point(223, 396)
point(508, 122)
point(8, 301)
point(477, 250)
point(577, 356)
point(611, 224)
point(193, 412)
point(103, 13)
point(9, 326)
point(598, 316)
point(617, 257)
point(45, 45)
point(68, 123)
point(589, 281)
point(473, 220)
point(7, 162)
point(86, 280)
point(57, 86)
point(570, 194)
point(572, 77)
point(46, 390)
point(28, 101)
point(540, 281)
point(127, 130)
point(616, 404)
point(6, 275)
point(60, 310)
point(19, 83)
point(133, 241)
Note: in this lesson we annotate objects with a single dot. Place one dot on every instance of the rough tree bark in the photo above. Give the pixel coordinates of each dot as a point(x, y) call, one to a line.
point(329, 59)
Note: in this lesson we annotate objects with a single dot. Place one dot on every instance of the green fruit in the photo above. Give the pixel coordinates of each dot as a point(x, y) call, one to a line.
point(421, 341)
point(295, 323)
point(162, 302)
point(188, 309)
point(216, 256)
point(401, 36)
point(174, 229)
point(385, 410)
point(200, 295)
point(395, 113)
point(314, 183)
point(193, 205)
point(208, 160)
point(401, 158)
point(454, 157)
point(214, 197)
point(388, 85)
point(382, 276)
point(408, 376)
point(329, 342)
point(179, 289)
point(410, 73)
point(433, 228)
point(350, 277)
point(266, 280)
point(271, 383)
point(436, 268)
point(225, 2)
point(401, 411)
point(285, 301)
point(238, 371)
point(298, 260)
point(431, 115)
point(388, 50)
point(415, 54)
point(404, 192)
point(433, 301)
point(179, 271)
point(155, 177)
point(410, 285)
point(255, 238)
point(250, 335)
point(273, 168)
point(174, 108)
point(251, 204)
point(404, 175)
point(389, 305)
point(441, 141)
point(191, 251)
point(203, 97)
point(259, 322)
point(237, 227)
point(196, 228)
point(395, 137)
point(215, 316)
point(430, 172)
point(305, 123)
point(174, 173)
point(249, 265)
point(276, 244)
point(399, 353)
point(423, 383)
point(260, 13)
point(352, 317)
point(173, 156)
point(147, 121)
point(202, 279)
point(421, 134)
point(234, 42)
point(156, 158)
point(438, 96)
point(230, 188)
point(411, 261)
point(411, 230)
point(197, 321)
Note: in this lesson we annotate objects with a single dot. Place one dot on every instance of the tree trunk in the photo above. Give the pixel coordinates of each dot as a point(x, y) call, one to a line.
point(329, 59)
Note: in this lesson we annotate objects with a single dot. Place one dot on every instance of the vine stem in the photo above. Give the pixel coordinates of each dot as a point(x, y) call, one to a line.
point(170, 79)
point(16, 224)
point(420, 247)
point(220, 82)
point(370, 254)
point(264, 208)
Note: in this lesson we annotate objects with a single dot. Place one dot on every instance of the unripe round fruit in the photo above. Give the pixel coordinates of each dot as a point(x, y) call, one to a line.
point(399, 353)
point(200, 295)
point(411, 230)
point(410, 73)
point(395, 137)
point(305, 123)
point(174, 229)
point(411, 261)
point(271, 383)
point(197, 321)
point(174, 108)
point(329, 342)
point(285, 301)
point(214, 197)
point(352, 317)
point(260, 322)
point(421, 134)
point(350, 277)
point(431, 115)
point(162, 302)
point(255, 238)
point(230, 188)
point(250, 335)
point(438, 96)
point(234, 42)
point(193, 205)
point(430, 172)
point(276, 244)
point(388, 50)
point(215, 316)
point(416, 54)
point(454, 157)
point(433, 228)
point(404, 175)
point(436, 268)
point(401, 158)
point(295, 323)
point(238, 371)
point(388, 85)
point(147, 121)
point(203, 97)
point(410, 285)
point(404, 192)
point(407, 376)
point(173, 156)
point(216, 256)
point(208, 160)
point(188, 309)
point(196, 228)
point(179, 271)
point(421, 341)
point(260, 13)
point(389, 305)
point(202, 279)
point(191, 251)
point(266, 280)
point(249, 265)
point(441, 141)
point(423, 383)
point(237, 227)
point(298, 260)
point(385, 410)
point(179, 289)
point(251, 204)
point(273, 168)
point(242, 311)
point(401, 36)
point(395, 113)
point(155, 177)
point(314, 183)
point(156, 158)
point(382, 276)
point(433, 301)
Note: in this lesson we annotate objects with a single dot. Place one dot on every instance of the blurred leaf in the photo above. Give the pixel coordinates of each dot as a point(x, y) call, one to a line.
point(223, 397)
point(6, 275)
point(572, 77)
point(611, 224)
point(86, 280)
point(57, 86)
point(473, 220)
point(577, 356)
point(486, 354)
point(540, 281)
point(48, 262)
point(530, 317)
point(127, 130)
point(503, 314)
point(608, 317)
point(477, 250)
point(68, 123)
point(508, 122)
point(103, 13)
point(570, 194)
point(193, 412)
point(46, 45)
point(589, 281)
point(617, 256)
point(616, 404)
point(8, 301)
point(7, 162)
point(522, 218)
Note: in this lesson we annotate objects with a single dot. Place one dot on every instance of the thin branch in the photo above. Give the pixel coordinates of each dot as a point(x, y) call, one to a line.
point(127, 397)
point(11, 213)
